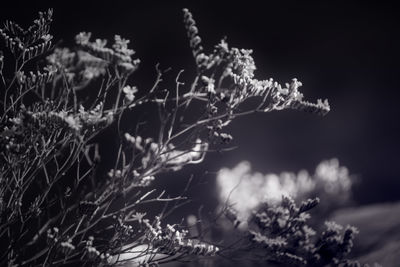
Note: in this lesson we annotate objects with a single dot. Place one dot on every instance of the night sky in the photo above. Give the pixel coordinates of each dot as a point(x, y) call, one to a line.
point(345, 51)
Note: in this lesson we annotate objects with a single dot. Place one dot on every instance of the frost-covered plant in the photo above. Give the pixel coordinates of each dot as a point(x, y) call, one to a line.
point(56, 208)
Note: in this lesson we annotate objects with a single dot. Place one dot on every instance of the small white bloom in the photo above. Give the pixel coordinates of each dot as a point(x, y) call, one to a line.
point(129, 138)
point(129, 92)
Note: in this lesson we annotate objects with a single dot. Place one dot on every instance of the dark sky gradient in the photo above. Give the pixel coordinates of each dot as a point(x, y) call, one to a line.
point(345, 51)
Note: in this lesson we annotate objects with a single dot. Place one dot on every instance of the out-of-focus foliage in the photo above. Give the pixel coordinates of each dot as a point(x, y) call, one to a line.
point(245, 191)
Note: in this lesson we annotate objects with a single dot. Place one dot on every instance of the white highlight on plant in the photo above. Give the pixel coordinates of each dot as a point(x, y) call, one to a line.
point(129, 92)
point(246, 190)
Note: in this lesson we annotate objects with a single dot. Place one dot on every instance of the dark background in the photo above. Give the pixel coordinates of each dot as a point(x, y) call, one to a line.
point(341, 50)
